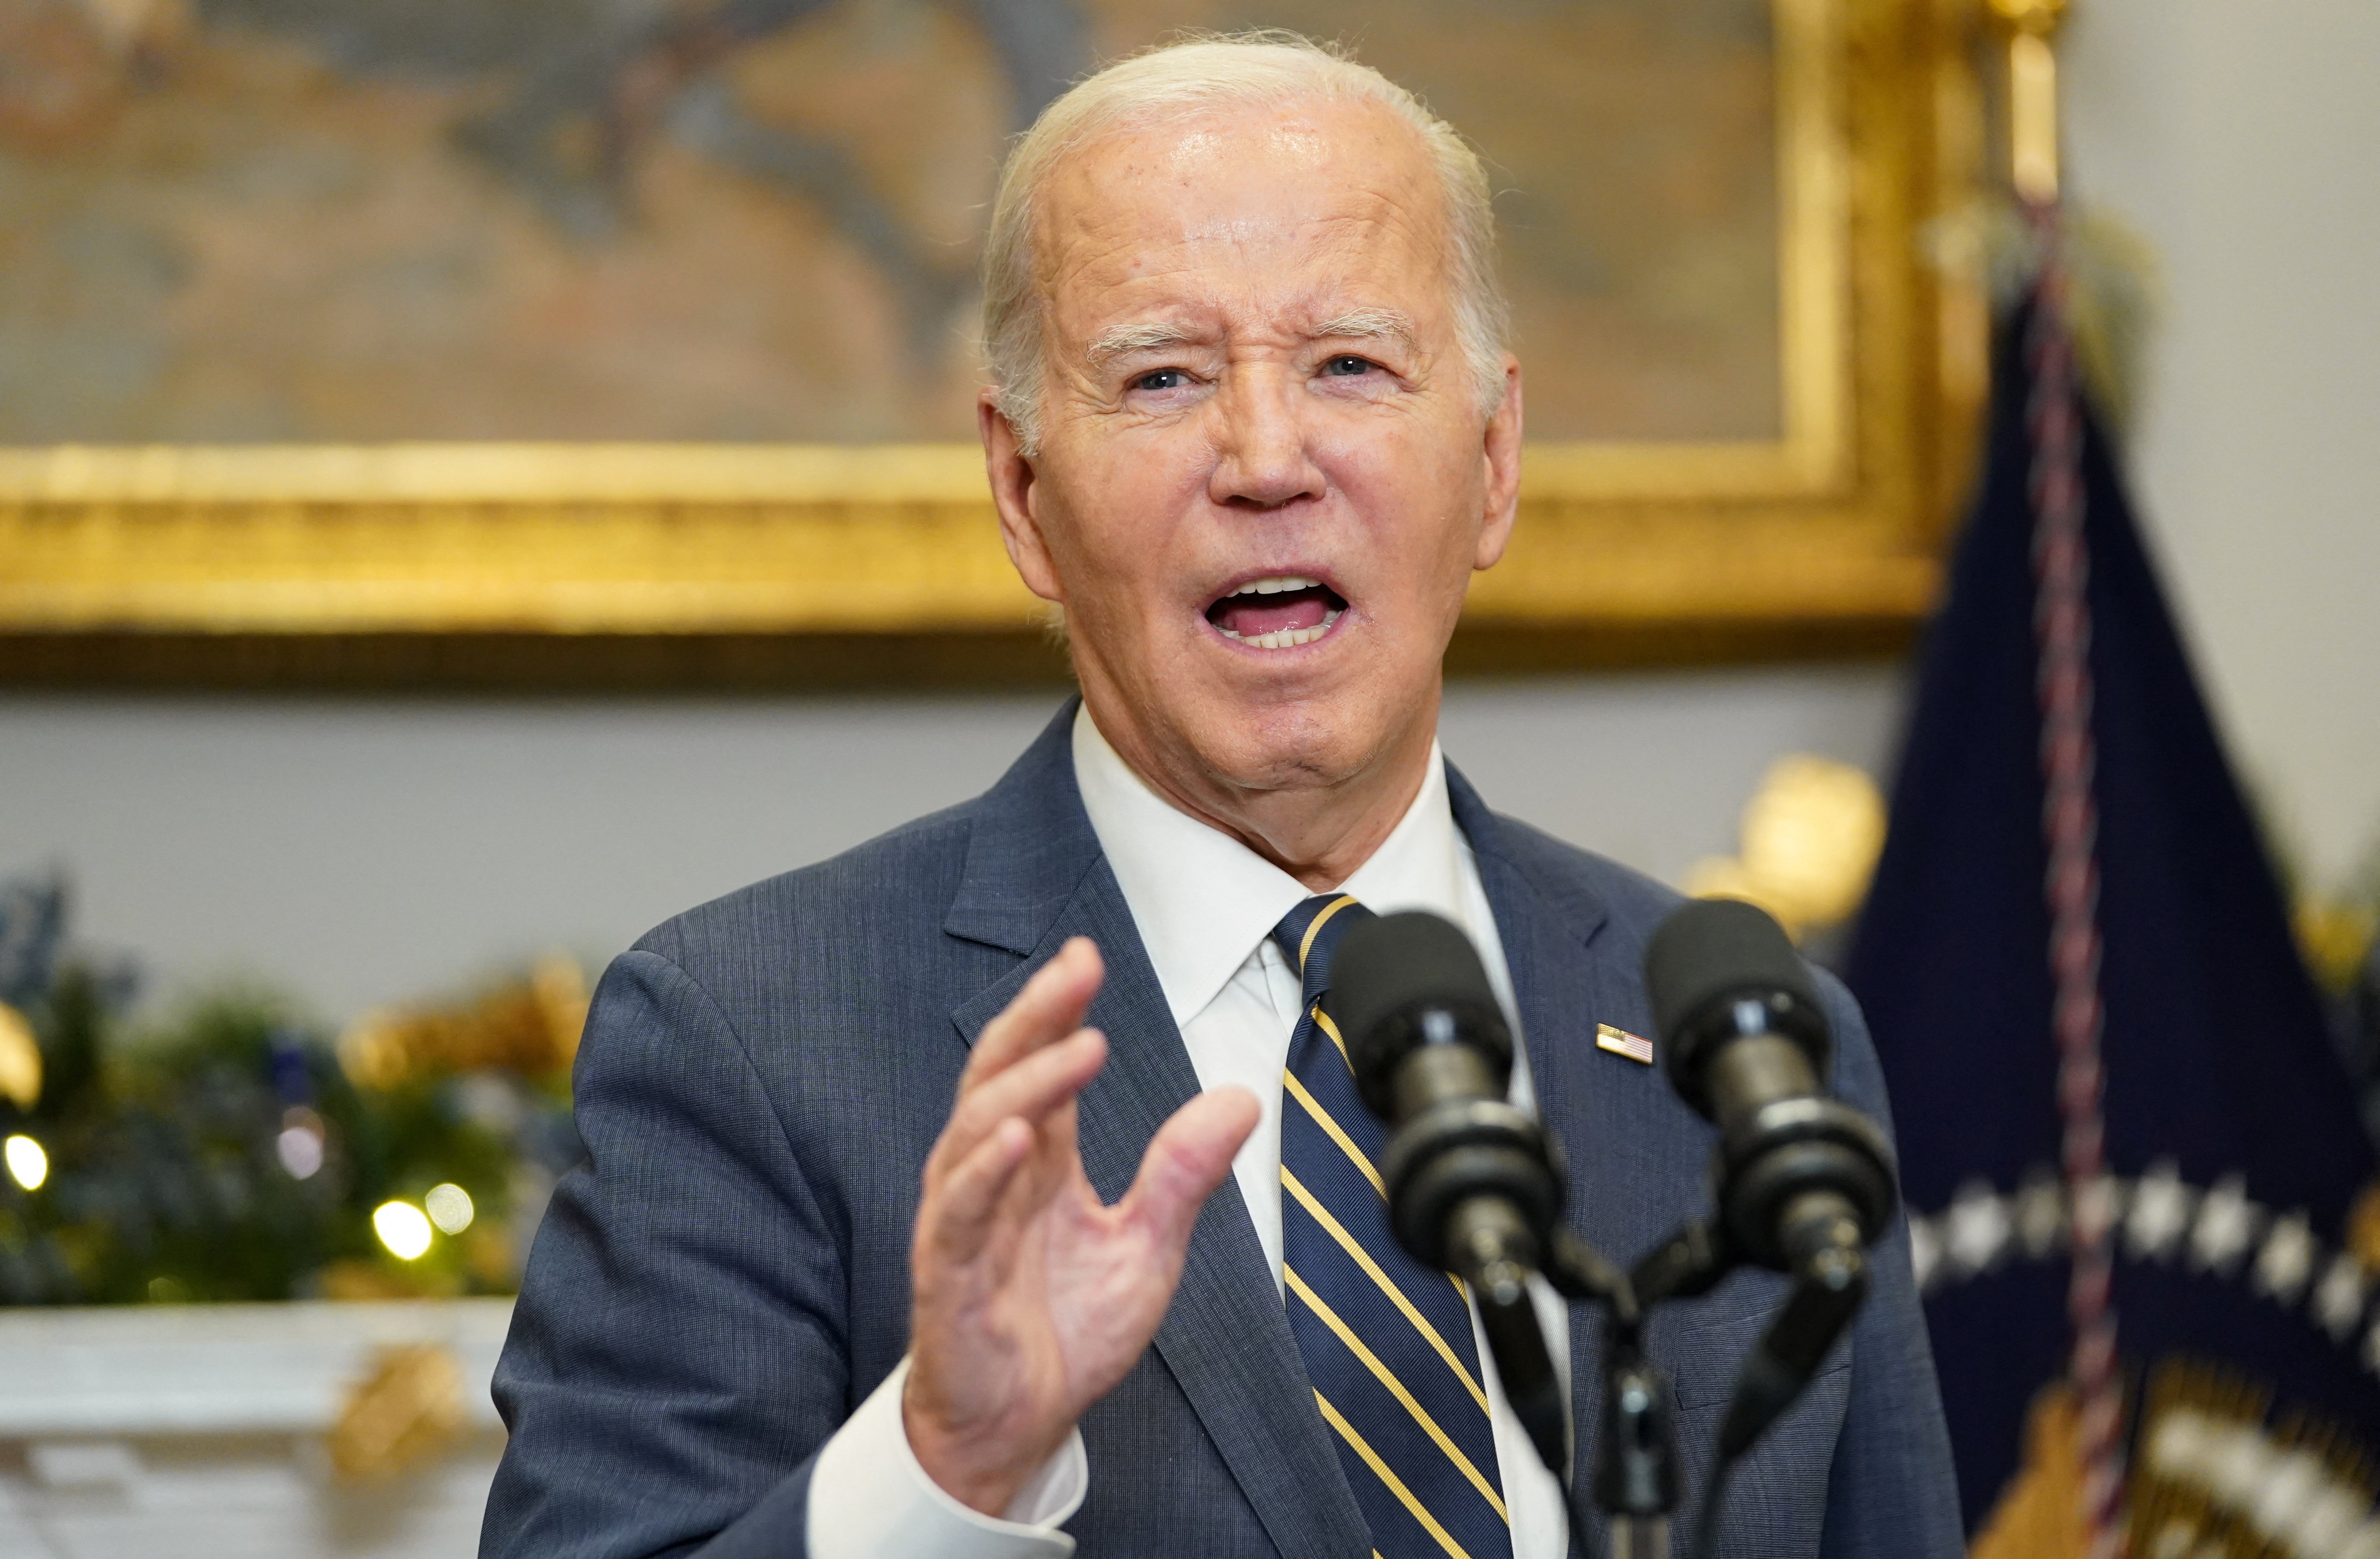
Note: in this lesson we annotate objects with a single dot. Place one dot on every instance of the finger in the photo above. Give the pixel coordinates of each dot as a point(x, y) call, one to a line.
point(957, 1223)
point(1028, 1090)
point(1186, 1160)
point(1050, 1007)
point(1035, 1086)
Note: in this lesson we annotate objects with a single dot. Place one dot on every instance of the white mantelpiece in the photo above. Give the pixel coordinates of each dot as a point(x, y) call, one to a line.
point(196, 1433)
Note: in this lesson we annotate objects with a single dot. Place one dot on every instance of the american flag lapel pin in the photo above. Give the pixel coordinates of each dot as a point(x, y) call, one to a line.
point(1619, 1042)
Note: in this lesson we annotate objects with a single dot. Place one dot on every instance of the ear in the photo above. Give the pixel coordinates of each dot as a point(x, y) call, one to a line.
point(1015, 493)
point(1501, 454)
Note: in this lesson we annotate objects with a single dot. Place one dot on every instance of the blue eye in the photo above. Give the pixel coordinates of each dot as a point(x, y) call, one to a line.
point(1161, 379)
point(1348, 366)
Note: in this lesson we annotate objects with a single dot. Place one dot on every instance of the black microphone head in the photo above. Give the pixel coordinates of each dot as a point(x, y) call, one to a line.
point(1386, 972)
point(1710, 954)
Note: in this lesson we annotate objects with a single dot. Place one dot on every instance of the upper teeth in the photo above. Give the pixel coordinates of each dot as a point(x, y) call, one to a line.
point(1287, 638)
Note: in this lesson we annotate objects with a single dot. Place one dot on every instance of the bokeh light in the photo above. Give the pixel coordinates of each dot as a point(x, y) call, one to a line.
point(450, 1208)
point(27, 1164)
point(402, 1228)
point(301, 1151)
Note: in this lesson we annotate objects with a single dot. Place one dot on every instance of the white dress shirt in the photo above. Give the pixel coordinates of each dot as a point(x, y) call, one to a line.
point(1205, 906)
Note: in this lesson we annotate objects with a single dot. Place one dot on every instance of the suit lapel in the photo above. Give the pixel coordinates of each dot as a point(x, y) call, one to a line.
point(1568, 973)
point(1035, 877)
point(1567, 976)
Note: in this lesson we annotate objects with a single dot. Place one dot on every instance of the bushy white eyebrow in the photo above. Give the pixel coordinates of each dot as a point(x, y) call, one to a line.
point(1360, 324)
point(1356, 324)
point(1148, 335)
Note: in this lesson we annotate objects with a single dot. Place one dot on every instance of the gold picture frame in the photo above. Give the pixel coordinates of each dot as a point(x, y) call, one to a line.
point(618, 565)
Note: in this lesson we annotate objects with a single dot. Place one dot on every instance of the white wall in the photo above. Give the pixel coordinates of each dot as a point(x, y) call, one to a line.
point(364, 852)
point(2240, 139)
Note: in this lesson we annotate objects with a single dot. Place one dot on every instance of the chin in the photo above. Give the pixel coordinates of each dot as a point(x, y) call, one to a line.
point(1310, 742)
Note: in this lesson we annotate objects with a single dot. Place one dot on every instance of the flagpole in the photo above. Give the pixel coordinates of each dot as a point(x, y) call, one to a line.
point(2032, 96)
point(2070, 819)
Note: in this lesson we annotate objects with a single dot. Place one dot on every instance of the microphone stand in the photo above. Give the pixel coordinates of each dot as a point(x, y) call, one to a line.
point(1637, 1478)
point(1636, 1473)
point(1802, 1181)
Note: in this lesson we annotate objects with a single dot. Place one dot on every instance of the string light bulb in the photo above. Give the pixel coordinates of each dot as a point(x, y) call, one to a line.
point(301, 1142)
point(450, 1208)
point(403, 1228)
point(27, 1164)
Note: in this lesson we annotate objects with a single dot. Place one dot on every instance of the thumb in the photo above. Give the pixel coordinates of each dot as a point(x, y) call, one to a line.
point(1187, 1160)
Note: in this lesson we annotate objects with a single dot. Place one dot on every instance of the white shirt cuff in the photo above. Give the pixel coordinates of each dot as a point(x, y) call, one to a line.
point(870, 1499)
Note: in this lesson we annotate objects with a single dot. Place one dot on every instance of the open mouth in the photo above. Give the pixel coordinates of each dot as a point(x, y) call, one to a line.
point(1277, 612)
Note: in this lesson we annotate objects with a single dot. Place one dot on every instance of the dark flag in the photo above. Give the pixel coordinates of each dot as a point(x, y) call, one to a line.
point(2079, 971)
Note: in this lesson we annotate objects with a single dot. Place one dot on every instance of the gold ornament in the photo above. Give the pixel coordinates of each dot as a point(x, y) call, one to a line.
point(408, 1410)
point(2335, 936)
point(2363, 1227)
point(1810, 838)
point(359, 1279)
point(20, 1059)
point(531, 1027)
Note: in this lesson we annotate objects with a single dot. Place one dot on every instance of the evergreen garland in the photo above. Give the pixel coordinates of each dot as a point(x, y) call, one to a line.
point(237, 1151)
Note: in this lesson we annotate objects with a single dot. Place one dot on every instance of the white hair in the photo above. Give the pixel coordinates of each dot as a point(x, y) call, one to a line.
point(1201, 74)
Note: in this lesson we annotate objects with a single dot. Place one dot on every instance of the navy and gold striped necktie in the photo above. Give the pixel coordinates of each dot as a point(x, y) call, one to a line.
point(1387, 1342)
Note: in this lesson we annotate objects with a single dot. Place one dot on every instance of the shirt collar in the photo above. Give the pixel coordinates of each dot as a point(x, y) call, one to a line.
point(1203, 901)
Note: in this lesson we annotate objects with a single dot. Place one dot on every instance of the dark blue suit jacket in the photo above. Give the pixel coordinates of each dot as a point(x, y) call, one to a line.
point(727, 1276)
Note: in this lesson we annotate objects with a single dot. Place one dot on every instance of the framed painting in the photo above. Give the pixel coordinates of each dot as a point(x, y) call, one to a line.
point(628, 341)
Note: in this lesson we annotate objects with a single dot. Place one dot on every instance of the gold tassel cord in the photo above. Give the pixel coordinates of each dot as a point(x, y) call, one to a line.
point(2040, 1515)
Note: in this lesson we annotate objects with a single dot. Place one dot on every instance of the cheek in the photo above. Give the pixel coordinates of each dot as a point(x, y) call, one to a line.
point(1119, 519)
point(1419, 504)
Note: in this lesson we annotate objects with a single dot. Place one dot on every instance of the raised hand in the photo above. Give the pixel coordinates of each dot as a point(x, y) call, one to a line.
point(1032, 1298)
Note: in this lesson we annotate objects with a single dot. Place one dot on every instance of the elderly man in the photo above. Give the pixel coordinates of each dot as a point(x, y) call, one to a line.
point(880, 1251)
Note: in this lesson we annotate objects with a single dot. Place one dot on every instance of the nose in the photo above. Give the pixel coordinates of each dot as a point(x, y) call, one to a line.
point(1262, 458)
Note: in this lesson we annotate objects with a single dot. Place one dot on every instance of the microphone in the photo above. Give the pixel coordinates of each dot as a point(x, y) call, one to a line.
point(1804, 1182)
point(1744, 1040)
point(1475, 1185)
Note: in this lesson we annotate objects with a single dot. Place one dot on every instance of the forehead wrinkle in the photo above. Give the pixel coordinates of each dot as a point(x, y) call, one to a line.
point(1362, 212)
point(1096, 182)
point(1099, 229)
point(1381, 246)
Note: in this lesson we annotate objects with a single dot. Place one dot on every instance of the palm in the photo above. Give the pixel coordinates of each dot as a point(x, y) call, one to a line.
point(1106, 1278)
point(1032, 1298)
